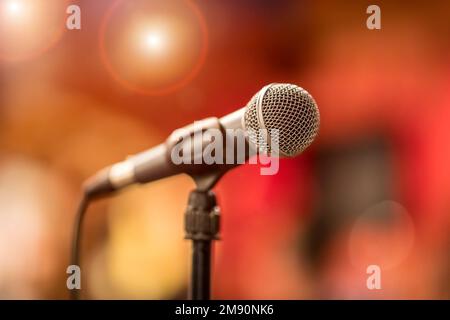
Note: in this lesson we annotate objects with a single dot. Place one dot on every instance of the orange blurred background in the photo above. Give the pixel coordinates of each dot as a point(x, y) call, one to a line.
point(373, 189)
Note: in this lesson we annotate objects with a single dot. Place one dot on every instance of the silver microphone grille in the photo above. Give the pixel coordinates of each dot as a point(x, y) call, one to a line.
point(287, 108)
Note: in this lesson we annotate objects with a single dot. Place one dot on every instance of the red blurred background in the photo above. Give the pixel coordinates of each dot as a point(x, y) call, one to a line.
point(373, 189)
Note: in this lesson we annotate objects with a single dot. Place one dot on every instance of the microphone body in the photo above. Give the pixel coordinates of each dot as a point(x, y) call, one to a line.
point(156, 163)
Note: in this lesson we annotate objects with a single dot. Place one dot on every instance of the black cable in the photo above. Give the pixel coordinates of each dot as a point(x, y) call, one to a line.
point(76, 239)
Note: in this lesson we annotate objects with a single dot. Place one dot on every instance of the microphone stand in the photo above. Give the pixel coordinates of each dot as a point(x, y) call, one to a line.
point(202, 223)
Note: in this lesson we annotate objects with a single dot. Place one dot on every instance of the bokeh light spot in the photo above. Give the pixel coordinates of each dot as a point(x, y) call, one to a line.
point(30, 27)
point(153, 47)
point(155, 41)
point(14, 7)
point(383, 235)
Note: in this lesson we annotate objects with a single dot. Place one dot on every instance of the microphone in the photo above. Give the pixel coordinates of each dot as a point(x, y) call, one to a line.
point(286, 113)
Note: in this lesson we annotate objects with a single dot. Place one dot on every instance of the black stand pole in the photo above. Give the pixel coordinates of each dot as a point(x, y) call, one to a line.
point(201, 226)
point(201, 270)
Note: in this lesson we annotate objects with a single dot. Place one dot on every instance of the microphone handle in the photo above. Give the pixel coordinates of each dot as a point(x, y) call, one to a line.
point(156, 163)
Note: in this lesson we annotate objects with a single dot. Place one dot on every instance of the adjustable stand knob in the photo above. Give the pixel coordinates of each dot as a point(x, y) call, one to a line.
point(202, 217)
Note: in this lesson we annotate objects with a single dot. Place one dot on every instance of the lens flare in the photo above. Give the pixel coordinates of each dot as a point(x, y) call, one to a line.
point(153, 47)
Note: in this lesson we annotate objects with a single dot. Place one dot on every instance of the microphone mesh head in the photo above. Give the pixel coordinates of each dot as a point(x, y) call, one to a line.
point(290, 110)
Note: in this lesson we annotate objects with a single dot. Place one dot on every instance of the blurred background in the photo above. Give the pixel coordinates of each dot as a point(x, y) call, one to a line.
point(373, 189)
